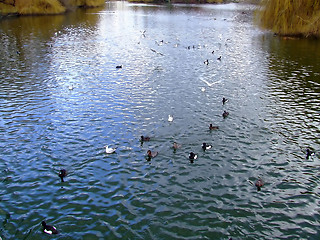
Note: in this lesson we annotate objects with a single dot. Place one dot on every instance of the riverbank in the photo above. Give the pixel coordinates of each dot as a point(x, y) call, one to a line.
point(34, 7)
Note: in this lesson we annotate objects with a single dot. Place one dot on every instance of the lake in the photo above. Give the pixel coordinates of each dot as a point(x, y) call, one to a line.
point(62, 100)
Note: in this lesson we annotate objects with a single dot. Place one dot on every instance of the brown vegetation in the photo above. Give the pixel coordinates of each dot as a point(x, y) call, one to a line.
point(28, 7)
point(291, 18)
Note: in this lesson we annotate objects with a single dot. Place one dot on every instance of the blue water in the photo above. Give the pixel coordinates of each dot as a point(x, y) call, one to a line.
point(273, 88)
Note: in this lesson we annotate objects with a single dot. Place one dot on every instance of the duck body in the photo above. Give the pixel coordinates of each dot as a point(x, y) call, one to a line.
point(144, 139)
point(176, 146)
point(49, 229)
point(170, 118)
point(62, 174)
point(119, 66)
point(309, 153)
point(211, 127)
point(225, 114)
point(259, 183)
point(206, 146)
point(192, 156)
point(151, 155)
point(224, 100)
point(110, 150)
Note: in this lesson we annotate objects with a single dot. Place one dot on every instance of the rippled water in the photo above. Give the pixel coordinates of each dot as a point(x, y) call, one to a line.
point(273, 87)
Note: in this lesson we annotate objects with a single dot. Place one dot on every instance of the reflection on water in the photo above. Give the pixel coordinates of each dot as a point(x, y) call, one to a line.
point(62, 100)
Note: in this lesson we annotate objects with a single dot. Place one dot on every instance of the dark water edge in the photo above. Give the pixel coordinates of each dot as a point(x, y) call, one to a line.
point(273, 89)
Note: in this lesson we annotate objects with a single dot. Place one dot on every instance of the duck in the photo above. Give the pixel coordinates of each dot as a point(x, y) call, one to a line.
point(225, 114)
point(259, 183)
point(219, 58)
point(211, 127)
point(62, 174)
point(49, 229)
point(309, 153)
point(110, 150)
point(203, 89)
point(192, 156)
point(224, 100)
point(119, 66)
point(206, 146)
point(206, 62)
point(71, 87)
point(144, 139)
point(170, 118)
point(151, 155)
point(176, 146)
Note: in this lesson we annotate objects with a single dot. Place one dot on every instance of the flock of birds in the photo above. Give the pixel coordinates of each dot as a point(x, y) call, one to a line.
point(152, 154)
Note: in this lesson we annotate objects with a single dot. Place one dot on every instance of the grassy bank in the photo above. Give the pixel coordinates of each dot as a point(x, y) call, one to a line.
point(29, 7)
point(291, 18)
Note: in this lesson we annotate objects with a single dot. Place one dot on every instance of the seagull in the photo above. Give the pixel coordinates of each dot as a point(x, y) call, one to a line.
point(210, 84)
point(110, 150)
point(49, 229)
point(203, 89)
point(170, 118)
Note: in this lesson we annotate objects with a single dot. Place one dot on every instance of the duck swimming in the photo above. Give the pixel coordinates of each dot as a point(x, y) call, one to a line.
point(144, 139)
point(225, 114)
point(224, 100)
point(170, 118)
point(309, 153)
point(259, 183)
point(49, 229)
point(176, 146)
point(151, 155)
point(192, 156)
point(206, 146)
point(213, 127)
point(110, 150)
point(206, 62)
point(119, 66)
point(62, 174)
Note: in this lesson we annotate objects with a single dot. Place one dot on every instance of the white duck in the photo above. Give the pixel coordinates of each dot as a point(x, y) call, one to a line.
point(110, 150)
point(170, 118)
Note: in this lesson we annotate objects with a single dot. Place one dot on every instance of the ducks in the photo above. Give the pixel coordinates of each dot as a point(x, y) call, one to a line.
point(206, 146)
point(211, 127)
point(176, 146)
point(151, 155)
point(225, 114)
point(144, 139)
point(110, 150)
point(224, 100)
point(309, 153)
point(62, 174)
point(192, 156)
point(170, 118)
point(49, 229)
point(259, 183)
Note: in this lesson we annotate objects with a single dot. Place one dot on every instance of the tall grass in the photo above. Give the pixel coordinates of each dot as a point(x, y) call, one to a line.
point(39, 7)
point(291, 17)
